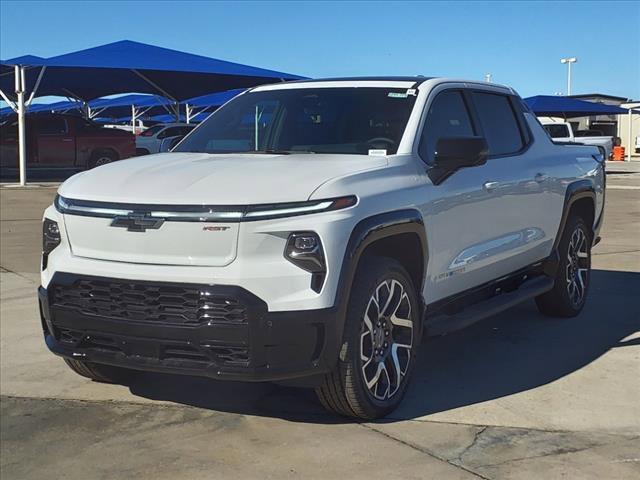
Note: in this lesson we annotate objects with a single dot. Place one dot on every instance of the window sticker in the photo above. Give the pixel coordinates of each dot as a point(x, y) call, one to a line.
point(398, 94)
point(378, 152)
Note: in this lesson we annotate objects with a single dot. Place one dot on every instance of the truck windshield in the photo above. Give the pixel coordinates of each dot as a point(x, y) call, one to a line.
point(306, 120)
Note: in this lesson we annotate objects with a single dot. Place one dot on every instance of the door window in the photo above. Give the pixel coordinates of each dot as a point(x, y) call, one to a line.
point(52, 126)
point(499, 123)
point(448, 117)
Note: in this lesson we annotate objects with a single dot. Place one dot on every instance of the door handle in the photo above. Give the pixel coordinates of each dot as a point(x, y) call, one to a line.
point(541, 177)
point(491, 186)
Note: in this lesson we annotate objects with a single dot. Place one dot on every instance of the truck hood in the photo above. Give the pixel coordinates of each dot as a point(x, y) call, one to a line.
point(215, 179)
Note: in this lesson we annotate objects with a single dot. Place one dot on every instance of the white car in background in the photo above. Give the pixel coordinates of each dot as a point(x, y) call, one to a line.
point(151, 139)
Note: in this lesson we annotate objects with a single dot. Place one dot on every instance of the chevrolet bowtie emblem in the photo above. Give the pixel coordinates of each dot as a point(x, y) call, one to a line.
point(137, 222)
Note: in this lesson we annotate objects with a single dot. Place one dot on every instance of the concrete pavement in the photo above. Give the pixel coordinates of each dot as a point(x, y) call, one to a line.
point(515, 396)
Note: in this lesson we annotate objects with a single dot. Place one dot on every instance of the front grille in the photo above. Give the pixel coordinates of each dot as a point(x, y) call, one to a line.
point(149, 302)
point(158, 349)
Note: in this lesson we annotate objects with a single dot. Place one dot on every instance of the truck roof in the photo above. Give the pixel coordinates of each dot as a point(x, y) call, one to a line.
point(376, 81)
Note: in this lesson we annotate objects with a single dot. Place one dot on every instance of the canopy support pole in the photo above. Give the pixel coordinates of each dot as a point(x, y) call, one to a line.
point(22, 139)
point(176, 111)
point(11, 103)
point(133, 119)
point(154, 85)
point(188, 112)
point(629, 142)
point(35, 88)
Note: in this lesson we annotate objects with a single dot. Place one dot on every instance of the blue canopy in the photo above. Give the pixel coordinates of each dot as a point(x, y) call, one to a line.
point(128, 66)
point(214, 99)
point(24, 60)
point(567, 107)
point(121, 106)
point(62, 106)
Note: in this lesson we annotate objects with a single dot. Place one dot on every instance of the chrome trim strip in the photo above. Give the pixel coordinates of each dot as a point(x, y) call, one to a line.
point(288, 211)
point(199, 213)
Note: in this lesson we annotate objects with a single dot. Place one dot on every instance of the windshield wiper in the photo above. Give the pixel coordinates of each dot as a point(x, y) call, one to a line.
point(276, 151)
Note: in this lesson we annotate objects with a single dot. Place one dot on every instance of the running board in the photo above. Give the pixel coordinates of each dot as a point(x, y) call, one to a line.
point(442, 324)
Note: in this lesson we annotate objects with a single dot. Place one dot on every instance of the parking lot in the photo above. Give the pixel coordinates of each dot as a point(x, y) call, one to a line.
point(516, 396)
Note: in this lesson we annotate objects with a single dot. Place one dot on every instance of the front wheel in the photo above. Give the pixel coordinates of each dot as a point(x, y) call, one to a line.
point(379, 343)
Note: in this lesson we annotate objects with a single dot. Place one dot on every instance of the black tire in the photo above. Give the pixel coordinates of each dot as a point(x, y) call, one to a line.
point(344, 391)
point(569, 293)
point(102, 157)
point(98, 372)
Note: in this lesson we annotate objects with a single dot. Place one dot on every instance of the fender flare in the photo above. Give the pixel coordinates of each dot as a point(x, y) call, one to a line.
point(575, 191)
point(366, 232)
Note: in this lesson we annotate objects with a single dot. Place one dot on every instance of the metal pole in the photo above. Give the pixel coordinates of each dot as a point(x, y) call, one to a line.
point(176, 110)
point(569, 78)
point(133, 119)
point(187, 107)
point(22, 143)
point(629, 142)
point(255, 147)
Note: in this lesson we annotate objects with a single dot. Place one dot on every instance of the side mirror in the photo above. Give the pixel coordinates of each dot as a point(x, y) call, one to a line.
point(453, 153)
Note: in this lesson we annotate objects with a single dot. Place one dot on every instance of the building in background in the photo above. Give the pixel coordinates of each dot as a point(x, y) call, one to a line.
point(612, 125)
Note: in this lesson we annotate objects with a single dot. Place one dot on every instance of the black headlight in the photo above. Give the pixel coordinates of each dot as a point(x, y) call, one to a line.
point(304, 249)
point(50, 239)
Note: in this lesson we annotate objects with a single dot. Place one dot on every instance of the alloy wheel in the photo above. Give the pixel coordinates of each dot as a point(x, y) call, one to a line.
point(386, 340)
point(577, 275)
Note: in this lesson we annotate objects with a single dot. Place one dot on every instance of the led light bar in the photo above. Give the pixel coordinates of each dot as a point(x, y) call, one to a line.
point(202, 213)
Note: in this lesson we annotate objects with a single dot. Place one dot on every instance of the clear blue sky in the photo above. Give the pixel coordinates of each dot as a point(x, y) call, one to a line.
point(519, 43)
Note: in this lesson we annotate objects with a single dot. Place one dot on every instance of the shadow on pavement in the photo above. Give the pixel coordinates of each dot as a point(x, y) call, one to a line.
point(515, 351)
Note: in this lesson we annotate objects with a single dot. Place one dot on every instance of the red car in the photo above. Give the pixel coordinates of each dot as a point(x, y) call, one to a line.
point(63, 141)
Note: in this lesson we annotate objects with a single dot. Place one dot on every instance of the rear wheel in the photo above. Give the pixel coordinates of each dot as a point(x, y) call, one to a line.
point(102, 158)
point(379, 343)
point(569, 294)
point(98, 372)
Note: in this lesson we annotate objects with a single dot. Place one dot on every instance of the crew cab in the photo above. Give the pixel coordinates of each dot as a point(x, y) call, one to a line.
point(313, 232)
point(63, 141)
point(563, 132)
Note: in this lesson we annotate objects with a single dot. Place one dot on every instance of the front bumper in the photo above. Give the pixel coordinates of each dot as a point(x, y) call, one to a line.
point(216, 331)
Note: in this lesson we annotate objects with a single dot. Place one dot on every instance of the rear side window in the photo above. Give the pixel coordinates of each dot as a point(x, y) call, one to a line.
point(499, 123)
point(150, 132)
point(557, 131)
point(447, 117)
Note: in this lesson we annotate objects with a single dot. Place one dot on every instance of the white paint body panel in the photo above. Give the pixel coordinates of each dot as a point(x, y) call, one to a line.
point(474, 236)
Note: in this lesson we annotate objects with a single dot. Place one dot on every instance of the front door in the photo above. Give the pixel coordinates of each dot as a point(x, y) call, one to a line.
point(477, 218)
point(55, 143)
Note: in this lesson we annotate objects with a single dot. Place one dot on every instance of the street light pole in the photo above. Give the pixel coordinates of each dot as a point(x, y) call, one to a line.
point(568, 61)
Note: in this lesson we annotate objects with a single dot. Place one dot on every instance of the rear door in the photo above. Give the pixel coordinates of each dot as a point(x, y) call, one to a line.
point(55, 142)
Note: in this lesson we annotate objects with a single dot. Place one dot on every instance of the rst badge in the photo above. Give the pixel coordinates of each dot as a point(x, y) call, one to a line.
point(214, 228)
point(137, 222)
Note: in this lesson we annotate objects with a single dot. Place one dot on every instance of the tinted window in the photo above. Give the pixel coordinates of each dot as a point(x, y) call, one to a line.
point(150, 132)
point(557, 131)
point(52, 126)
point(498, 123)
point(319, 120)
point(448, 117)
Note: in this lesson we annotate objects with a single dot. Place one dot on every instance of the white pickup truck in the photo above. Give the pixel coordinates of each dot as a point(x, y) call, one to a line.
point(563, 132)
point(313, 231)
